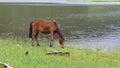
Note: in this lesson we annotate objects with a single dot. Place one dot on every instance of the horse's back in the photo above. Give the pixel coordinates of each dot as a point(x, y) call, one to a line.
point(44, 22)
point(45, 26)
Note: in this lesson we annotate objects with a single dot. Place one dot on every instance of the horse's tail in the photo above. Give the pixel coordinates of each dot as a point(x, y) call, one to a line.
point(30, 30)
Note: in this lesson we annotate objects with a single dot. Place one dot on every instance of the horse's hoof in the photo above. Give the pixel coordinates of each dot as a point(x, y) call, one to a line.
point(51, 45)
point(38, 44)
point(62, 47)
point(32, 45)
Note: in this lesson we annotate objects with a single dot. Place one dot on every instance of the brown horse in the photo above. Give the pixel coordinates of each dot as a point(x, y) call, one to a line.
point(46, 27)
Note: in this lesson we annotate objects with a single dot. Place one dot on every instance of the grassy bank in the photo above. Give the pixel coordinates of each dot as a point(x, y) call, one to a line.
point(12, 52)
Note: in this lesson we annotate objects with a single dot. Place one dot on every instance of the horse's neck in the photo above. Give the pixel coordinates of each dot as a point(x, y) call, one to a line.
point(60, 33)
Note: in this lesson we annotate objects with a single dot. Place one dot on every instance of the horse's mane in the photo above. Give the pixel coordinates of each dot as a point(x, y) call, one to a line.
point(60, 33)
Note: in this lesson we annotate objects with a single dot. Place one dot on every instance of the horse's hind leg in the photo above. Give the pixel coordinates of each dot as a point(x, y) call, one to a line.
point(37, 38)
point(32, 41)
point(34, 36)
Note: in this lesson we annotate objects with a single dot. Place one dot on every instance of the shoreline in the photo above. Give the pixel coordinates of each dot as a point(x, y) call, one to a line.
point(63, 3)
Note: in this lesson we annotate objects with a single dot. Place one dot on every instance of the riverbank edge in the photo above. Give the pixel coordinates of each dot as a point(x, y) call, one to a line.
point(13, 52)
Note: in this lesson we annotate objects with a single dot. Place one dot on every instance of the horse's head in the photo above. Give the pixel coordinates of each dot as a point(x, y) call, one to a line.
point(61, 41)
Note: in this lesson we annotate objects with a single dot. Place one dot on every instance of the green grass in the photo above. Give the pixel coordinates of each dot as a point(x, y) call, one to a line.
point(12, 52)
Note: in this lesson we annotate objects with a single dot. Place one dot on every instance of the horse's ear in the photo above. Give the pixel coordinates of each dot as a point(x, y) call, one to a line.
point(54, 20)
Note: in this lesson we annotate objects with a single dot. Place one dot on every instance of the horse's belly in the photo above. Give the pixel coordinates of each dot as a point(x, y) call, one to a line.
point(45, 32)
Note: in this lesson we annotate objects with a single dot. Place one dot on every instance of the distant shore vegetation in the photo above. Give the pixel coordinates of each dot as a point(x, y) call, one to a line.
point(94, 0)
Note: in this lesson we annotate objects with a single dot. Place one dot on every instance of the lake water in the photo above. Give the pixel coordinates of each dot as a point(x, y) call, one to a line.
point(94, 26)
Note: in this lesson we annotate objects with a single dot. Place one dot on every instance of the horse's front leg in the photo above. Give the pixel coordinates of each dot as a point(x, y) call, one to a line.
point(51, 39)
point(37, 38)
